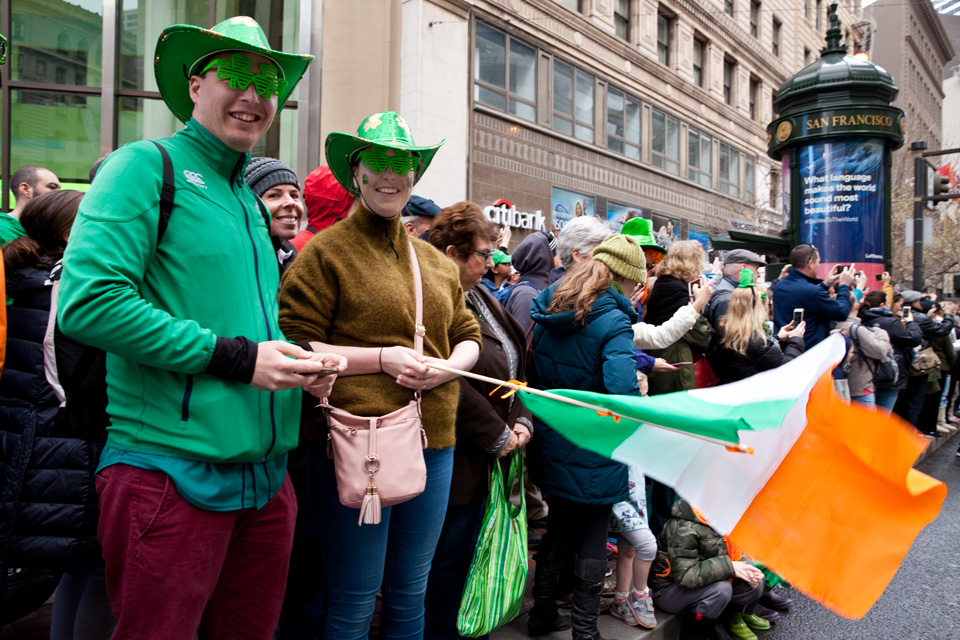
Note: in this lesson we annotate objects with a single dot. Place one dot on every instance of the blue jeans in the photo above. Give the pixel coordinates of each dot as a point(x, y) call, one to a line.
point(448, 575)
point(868, 400)
point(886, 399)
point(392, 557)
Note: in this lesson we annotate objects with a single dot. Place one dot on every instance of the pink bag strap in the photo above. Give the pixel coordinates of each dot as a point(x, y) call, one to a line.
point(420, 330)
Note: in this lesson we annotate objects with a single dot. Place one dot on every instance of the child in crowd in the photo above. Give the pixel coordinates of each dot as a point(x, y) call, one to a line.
point(700, 574)
point(636, 550)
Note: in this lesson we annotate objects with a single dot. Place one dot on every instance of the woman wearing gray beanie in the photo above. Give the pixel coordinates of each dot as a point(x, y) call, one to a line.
point(277, 185)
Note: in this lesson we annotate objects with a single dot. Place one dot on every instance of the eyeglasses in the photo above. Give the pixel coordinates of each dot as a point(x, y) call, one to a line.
point(377, 159)
point(237, 73)
point(484, 256)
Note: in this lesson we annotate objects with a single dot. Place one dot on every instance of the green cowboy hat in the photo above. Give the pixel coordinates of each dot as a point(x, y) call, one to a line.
point(182, 47)
point(642, 230)
point(385, 129)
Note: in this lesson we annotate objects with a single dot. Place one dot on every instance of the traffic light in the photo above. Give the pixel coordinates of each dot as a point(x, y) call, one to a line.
point(941, 184)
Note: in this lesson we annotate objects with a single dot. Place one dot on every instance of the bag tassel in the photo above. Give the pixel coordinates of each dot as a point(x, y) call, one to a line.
point(370, 507)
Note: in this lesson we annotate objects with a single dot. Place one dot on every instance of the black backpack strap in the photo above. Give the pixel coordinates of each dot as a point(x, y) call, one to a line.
point(166, 192)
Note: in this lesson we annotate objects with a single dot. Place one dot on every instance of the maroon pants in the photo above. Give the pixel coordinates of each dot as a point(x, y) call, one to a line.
point(174, 570)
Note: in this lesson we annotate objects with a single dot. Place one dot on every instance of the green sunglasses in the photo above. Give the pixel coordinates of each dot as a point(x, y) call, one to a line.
point(237, 73)
point(377, 159)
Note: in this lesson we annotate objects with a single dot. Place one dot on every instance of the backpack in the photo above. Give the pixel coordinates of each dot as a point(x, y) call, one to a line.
point(503, 294)
point(886, 372)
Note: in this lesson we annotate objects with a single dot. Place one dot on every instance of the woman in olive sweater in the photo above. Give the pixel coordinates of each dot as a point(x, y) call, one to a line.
point(351, 292)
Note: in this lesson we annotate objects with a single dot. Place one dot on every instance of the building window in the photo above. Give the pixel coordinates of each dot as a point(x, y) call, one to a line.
point(507, 83)
point(621, 18)
point(573, 5)
point(729, 71)
point(755, 19)
point(776, 38)
point(699, 53)
point(572, 101)
point(699, 157)
point(754, 96)
point(61, 75)
point(16, 30)
point(749, 176)
point(665, 143)
point(774, 112)
point(62, 43)
point(819, 11)
point(729, 170)
point(806, 56)
point(664, 27)
point(806, 9)
point(728, 7)
point(623, 123)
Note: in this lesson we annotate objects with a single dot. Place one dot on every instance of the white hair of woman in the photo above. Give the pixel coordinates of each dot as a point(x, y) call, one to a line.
point(580, 235)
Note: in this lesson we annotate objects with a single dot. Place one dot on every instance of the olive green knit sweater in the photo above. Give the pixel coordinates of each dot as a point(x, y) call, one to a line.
point(352, 285)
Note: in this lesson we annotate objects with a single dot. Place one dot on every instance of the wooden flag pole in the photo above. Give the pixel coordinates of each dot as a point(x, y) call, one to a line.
point(734, 446)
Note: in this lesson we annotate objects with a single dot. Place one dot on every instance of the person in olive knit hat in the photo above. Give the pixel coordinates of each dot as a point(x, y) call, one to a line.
point(583, 339)
point(278, 187)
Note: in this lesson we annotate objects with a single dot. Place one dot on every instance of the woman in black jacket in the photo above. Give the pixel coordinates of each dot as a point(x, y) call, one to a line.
point(489, 425)
point(52, 427)
point(744, 347)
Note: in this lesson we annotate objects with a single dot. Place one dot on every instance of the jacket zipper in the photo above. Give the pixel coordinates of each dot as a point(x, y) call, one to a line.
point(185, 407)
point(263, 306)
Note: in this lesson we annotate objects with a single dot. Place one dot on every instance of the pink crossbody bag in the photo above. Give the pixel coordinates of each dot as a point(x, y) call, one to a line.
point(378, 460)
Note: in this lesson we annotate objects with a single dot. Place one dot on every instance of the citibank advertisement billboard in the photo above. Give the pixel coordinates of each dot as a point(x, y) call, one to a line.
point(842, 202)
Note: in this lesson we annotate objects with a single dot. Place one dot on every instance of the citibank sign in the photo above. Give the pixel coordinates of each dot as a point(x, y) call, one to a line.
point(502, 212)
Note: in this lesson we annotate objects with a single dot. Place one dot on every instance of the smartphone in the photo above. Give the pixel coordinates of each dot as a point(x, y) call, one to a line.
point(879, 277)
point(797, 317)
point(858, 274)
point(836, 269)
point(690, 287)
point(327, 371)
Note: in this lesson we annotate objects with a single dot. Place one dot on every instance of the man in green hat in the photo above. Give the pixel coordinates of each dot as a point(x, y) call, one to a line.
point(197, 511)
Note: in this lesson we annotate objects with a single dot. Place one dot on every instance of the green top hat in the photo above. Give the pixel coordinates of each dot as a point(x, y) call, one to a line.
point(181, 47)
point(642, 230)
point(385, 129)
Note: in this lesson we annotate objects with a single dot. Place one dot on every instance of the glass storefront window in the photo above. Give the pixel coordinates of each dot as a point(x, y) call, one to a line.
point(57, 42)
point(140, 26)
point(281, 139)
point(59, 131)
point(144, 119)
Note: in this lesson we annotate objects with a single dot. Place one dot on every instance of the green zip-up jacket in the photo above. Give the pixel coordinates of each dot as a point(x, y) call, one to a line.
point(158, 309)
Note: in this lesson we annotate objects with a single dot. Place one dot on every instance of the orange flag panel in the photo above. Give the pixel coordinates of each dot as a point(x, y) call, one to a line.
point(841, 511)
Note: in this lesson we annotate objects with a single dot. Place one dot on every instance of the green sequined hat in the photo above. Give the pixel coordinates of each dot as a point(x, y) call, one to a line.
point(642, 230)
point(182, 46)
point(386, 129)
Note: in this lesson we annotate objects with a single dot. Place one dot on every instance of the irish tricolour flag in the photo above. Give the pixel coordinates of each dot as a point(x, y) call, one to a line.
point(826, 497)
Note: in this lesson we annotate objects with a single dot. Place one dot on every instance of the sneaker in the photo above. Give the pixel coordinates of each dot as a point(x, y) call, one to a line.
point(755, 622)
point(738, 628)
point(622, 609)
point(643, 609)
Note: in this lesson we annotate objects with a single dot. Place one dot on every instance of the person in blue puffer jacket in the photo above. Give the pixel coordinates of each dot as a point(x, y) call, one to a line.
point(583, 339)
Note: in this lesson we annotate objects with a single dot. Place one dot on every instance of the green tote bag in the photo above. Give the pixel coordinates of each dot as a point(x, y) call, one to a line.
point(498, 573)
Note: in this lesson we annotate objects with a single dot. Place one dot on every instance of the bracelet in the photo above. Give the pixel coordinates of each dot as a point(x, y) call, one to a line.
point(380, 359)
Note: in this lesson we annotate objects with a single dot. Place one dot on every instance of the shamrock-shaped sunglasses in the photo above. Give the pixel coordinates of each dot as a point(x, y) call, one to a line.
point(237, 73)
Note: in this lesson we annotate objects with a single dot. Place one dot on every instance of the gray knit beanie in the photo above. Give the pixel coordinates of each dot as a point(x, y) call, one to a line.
point(262, 174)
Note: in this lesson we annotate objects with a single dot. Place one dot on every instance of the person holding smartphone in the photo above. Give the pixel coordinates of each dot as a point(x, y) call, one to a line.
point(802, 289)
